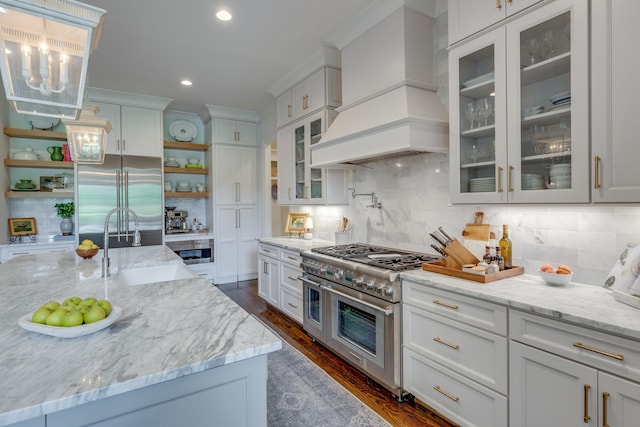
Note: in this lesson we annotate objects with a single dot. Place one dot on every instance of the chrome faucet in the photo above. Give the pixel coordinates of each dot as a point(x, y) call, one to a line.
point(375, 203)
point(106, 262)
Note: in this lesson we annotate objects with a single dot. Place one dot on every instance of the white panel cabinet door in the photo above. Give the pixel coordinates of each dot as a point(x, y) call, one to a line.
point(224, 131)
point(285, 166)
point(268, 280)
point(111, 112)
point(284, 109)
point(247, 243)
point(141, 130)
point(247, 175)
point(547, 390)
point(226, 244)
point(614, 73)
point(226, 165)
point(619, 401)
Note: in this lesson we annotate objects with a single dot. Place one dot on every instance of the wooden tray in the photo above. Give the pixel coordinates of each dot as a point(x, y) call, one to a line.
point(438, 267)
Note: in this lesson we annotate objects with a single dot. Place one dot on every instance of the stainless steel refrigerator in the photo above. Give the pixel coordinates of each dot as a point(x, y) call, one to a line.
point(121, 181)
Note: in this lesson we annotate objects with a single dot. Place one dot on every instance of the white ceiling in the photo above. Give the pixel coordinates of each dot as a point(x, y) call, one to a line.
point(148, 46)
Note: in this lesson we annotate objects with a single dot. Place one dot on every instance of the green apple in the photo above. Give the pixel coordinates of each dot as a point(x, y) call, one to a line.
point(52, 305)
point(72, 318)
point(66, 307)
point(72, 301)
point(88, 301)
point(106, 305)
point(95, 314)
point(40, 315)
point(55, 318)
point(81, 308)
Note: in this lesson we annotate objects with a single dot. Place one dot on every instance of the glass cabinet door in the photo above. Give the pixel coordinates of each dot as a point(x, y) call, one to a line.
point(478, 120)
point(300, 160)
point(315, 174)
point(548, 122)
point(309, 182)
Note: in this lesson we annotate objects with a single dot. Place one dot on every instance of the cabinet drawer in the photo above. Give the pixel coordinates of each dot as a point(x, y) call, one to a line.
point(600, 350)
point(268, 250)
point(477, 354)
point(291, 303)
point(291, 257)
point(289, 276)
point(451, 394)
point(480, 314)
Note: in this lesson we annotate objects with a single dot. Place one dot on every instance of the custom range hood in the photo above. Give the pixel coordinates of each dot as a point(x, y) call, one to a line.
point(390, 105)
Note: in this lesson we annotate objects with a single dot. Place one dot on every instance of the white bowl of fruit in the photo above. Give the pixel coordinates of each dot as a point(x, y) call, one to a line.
point(556, 276)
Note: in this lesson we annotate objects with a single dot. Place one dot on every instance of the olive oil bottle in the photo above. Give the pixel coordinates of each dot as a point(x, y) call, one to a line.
point(505, 247)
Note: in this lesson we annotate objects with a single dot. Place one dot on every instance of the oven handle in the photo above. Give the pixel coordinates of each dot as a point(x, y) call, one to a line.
point(311, 282)
point(386, 311)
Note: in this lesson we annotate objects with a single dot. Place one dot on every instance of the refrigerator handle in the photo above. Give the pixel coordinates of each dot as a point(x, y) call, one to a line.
point(126, 205)
point(118, 198)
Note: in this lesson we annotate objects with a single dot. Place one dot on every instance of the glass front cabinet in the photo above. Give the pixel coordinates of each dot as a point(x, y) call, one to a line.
point(519, 110)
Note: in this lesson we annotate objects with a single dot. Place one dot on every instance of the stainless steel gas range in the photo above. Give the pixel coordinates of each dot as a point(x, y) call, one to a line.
point(352, 297)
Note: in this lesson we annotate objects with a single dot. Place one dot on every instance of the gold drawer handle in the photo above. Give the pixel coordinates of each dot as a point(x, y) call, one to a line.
point(595, 350)
point(500, 179)
point(452, 307)
point(292, 305)
point(596, 172)
point(450, 396)
point(498, 4)
point(453, 346)
point(586, 418)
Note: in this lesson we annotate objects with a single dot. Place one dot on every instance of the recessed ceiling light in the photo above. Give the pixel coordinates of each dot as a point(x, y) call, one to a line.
point(186, 82)
point(223, 15)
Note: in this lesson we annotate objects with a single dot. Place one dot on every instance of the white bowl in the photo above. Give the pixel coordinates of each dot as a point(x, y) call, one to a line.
point(193, 161)
point(555, 279)
point(183, 185)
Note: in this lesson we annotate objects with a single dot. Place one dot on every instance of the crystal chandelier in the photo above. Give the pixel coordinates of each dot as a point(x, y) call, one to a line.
point(45, 46)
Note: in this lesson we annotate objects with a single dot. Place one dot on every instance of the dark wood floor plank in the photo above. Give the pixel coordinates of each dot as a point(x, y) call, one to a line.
point(400, 414)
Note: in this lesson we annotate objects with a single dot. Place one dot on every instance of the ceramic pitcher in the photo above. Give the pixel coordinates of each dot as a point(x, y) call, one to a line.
point(56, 153)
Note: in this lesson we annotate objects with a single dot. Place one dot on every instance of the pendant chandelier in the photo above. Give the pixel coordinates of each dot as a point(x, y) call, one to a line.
point(45, 46)
point(87, 136)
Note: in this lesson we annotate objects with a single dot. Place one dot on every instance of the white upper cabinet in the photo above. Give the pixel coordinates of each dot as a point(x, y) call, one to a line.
point(227, 131)
point(136, 131)
point(321, 89)
point(614, 71)
point(519, 116)
point(467, 17)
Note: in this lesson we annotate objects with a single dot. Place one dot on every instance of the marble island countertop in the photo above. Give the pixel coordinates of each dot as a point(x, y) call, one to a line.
point(167, 330)
point(586, 305)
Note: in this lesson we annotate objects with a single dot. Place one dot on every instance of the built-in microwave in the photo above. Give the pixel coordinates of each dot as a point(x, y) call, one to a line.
point(197, 251)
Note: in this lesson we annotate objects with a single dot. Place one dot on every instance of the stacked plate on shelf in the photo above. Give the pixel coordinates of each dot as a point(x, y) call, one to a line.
point(560, 175)
point(532, 181)
point(480, 185)
point(560, 100)
point(532, 111)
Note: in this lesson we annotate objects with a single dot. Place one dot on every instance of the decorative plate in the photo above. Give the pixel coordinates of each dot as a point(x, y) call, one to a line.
point(183, 131)
point(41, 122)
point(70, 332)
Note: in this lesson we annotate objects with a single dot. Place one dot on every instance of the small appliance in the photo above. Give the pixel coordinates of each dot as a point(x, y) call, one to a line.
point(175, 221)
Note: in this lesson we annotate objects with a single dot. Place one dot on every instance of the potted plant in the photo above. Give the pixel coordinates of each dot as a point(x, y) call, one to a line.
point(65, 211)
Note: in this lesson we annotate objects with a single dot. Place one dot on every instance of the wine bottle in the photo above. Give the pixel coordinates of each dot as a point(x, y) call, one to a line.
point(505, 247)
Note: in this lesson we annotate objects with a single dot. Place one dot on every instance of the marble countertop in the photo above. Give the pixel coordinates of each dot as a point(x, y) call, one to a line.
point(295, 244)
point(167, 330)
point(586, 305)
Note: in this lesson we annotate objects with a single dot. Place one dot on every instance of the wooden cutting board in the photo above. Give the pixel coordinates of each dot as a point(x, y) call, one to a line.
point(477, 230)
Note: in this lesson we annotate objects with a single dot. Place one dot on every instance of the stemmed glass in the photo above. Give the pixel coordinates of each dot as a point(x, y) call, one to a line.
point(471, 112)
point(548, 43)
point(533, 46)
point(484, 110)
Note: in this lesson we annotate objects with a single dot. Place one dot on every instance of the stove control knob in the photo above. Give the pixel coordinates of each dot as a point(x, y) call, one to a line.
point(337, 274)
point(370, 285)
point(388, 292)
point(359, 282)
point(380, 289)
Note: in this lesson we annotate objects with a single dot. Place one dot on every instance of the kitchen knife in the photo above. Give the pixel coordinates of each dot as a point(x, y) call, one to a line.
point(445, 234)
point(439, 250)
point(441, 236)
point(438, 239)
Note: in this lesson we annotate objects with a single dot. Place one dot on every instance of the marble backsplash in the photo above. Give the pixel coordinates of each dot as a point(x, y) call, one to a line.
point(415, 200)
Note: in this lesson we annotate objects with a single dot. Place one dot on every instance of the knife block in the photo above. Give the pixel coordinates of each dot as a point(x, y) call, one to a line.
point(458, 255)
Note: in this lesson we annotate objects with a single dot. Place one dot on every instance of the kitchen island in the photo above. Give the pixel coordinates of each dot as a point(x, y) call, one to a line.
point(182, 353)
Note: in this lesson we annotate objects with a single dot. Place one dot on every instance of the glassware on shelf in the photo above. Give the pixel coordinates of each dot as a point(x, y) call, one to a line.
point(485, 110)
point(471, 112)
point(533, 48)
point(548, 44)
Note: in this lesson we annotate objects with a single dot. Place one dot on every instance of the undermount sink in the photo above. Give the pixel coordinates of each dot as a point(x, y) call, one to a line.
point(154, 274)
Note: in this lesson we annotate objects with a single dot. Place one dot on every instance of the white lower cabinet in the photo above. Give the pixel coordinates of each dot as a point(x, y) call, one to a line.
point(235, 243)
point(278, 282)
point(11, 251)
point(558, 375)
point(458, 369)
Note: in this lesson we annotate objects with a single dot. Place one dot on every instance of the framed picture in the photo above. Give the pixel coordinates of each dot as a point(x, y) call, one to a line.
point(295, 223)
point(46, 183)
point(22, 226)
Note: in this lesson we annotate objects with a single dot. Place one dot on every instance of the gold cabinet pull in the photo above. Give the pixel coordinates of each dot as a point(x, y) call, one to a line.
point(605, 396)
point(444, 393)
point(595, 350)
point(453, 346)
point(500, 179)
point(452, 307)
point(586, 417)
point(509, 1)
point(498, 4)
point(596, 172)
point(510, 178)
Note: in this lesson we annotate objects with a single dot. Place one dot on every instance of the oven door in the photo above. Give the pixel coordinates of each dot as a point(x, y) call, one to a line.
point(312, 304)
point(362, 330)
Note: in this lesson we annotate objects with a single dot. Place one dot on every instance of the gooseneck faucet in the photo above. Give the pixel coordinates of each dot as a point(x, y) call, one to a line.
point(106, 262)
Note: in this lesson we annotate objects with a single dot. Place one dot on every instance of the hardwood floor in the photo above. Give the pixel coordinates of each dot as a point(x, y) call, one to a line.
point(245, 294)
